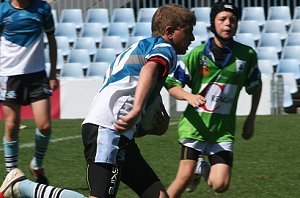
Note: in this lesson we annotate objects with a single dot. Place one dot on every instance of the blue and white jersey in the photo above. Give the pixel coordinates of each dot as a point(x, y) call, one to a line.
point(116, 97)
point(22, 47)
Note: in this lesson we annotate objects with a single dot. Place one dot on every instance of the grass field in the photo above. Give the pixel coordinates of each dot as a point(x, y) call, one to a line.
point(268, 166)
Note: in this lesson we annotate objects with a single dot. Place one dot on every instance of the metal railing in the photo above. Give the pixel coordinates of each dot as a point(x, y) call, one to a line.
point(137, 4)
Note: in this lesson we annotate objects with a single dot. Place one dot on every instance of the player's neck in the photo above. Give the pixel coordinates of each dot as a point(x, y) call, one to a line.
point(21, 4)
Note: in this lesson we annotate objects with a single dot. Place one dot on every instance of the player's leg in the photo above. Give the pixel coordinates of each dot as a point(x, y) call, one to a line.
point(17, 185)
point(220, 172)
point(38, 95)
point(104, 156)
point(139, 176)
point(185, 171)
point(10, 140)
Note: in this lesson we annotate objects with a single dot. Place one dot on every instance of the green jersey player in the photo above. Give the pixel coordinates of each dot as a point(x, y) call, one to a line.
point(215, 72)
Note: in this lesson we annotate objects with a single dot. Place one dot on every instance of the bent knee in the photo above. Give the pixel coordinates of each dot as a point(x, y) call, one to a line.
point(220, 187)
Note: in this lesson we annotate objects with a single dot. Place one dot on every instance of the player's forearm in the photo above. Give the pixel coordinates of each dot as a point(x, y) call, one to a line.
point(179, 93)
point(255, 102)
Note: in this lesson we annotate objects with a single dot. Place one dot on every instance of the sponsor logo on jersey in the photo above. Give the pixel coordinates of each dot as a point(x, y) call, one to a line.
point(219, 98)
point(204, 69)
point(240, 65)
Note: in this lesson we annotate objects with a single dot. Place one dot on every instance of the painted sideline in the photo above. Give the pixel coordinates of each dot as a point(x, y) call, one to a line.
point(31, 145)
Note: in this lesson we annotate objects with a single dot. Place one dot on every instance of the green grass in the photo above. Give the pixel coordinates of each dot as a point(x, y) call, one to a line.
point(266, 166)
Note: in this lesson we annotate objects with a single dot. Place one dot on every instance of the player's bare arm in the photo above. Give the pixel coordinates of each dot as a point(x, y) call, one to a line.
point(194, 100)
point(248, 128)
point(53, 60)
point(147, 80)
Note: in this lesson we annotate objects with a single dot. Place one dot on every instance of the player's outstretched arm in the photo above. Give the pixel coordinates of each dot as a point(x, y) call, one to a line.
point(194, 100)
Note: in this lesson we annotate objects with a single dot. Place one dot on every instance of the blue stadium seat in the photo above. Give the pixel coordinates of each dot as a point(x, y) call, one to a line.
point(72, 16)
point(145, 14)
point(74, 70)
point(97, 69)
point(289, 66)
point(113, 42)
point(249, 27)
point(86, 43)
point(266, 67)
point(268, 53)
point(54, 15)
point(202, 14)
point(119, 29)
point(276, 26)
point(80, 56)
point(124, 15)
point(287, 96)
point(295, 26)
point(291, 52)
point(200, 31)
point(63, 44)
point(105, 55)
point(246, 39)
point(98, 15)
point(293, 39)
point(254, 13)
point(296, 14)
point(270, 40)
point(68, 30)
point(142, 29)
point(94, 30)
point(280, 13)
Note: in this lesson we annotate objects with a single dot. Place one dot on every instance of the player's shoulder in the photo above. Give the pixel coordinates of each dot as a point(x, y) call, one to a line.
point(240, 47)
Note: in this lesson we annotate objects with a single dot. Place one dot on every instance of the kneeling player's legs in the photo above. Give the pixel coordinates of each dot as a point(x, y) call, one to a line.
point(220, 172)
point(139, 176)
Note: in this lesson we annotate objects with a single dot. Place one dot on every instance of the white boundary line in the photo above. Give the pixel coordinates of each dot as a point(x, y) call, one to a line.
point(31, 145)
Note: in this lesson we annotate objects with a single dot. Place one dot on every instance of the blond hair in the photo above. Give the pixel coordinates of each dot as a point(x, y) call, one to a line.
point(173, 15)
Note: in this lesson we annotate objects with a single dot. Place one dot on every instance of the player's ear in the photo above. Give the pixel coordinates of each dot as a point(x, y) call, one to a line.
point(169, 31)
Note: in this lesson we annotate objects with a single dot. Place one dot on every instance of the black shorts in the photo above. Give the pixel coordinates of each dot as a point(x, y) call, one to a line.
point(104, 179)
point(27, 88)
point(222, 157)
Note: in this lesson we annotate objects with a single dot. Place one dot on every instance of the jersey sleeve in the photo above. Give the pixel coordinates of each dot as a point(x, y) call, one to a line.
point(48, 22)
point(165, 55)
point(253, 80)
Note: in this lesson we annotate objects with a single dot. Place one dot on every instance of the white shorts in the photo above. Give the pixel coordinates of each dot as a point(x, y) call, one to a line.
point(208, 148)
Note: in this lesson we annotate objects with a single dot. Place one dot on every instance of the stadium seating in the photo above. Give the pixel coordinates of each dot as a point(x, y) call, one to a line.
point(124, 15)
point(112, 42)
point(119, 29)
point(142, 29)
point(276, 26)
point(202, 14)
point(270, 40)
point(80, 56)
point(295, 26)
point(72, 16)
point(246, 39)
point(98, 15)
point(296, 14)
point(54, 15)
point(266, 67)
point(94, 30)
point(289, 66)
point(68, 30)
point(105, 55)
point(268, 53)
point(74, 70)
point(254, 13)
point(200, 31)
point(250, 26)
point(63, 44)
point(293, 39)
point(291, 52)
point(86, 43)
point(289, 80)
point(280, 13)
point(134, 39)
point(145, 14)
point(97, 69)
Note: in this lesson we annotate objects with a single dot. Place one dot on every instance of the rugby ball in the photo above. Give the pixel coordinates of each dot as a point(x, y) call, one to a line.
point(148, 121)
